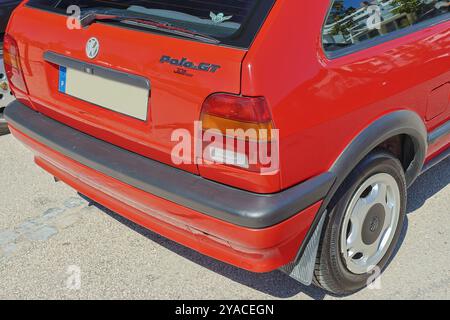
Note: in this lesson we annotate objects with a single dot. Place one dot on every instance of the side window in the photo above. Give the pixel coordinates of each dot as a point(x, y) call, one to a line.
point(354, 24)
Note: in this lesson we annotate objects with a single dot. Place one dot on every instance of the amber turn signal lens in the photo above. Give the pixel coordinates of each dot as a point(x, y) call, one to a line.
point(246, 118)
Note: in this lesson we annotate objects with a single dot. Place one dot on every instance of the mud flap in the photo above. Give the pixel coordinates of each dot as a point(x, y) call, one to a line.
point(303, 270)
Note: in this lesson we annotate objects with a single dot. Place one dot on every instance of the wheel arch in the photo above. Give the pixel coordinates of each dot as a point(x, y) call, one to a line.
point(397, 123)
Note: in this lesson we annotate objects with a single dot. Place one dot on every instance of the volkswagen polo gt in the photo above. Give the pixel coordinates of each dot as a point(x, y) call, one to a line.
point(265, 134)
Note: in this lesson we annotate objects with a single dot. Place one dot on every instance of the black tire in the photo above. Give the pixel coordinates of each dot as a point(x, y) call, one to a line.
point(3, 125)
point(331, 272)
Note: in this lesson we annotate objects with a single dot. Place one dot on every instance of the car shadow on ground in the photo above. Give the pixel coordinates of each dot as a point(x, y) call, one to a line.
point(425, 187)
point(277, 284)
point(428, 184)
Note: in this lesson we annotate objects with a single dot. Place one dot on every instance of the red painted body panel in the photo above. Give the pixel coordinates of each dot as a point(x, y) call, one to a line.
point(321, 105)
point(175, 102)
point(313, 100)
point(257, 250)
point(318, 104)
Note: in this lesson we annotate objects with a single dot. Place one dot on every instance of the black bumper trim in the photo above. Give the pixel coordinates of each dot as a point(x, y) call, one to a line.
point(226, 203)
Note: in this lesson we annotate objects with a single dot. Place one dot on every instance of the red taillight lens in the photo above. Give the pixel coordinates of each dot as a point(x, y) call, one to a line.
point(245, 109)
point(225, 112)
point(13, 67)
point(246, 131)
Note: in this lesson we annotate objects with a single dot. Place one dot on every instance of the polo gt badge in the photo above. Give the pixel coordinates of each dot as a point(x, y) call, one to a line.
point(187, 64)
point(92, 48)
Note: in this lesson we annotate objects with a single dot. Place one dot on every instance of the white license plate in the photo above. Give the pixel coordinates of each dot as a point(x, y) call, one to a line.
point(112, 94)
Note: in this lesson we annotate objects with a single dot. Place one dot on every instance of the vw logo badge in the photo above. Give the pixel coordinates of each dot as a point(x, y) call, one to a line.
point(92, 48)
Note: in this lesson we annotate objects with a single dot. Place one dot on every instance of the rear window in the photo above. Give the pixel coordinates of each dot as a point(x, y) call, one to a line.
point(232, 22)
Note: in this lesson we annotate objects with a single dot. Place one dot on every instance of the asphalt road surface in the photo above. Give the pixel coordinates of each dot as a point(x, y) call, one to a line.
point(53, 245)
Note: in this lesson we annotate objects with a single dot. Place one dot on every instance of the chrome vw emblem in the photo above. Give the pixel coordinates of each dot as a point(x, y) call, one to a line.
point(92, 48)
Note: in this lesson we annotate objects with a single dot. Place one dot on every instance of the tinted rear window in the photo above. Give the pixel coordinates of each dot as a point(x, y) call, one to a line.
point(233, 22)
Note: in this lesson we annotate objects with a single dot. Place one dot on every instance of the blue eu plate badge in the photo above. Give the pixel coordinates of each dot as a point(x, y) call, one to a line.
point(62, 79)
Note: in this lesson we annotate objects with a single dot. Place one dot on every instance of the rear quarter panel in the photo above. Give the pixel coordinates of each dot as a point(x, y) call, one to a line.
point(320, 105)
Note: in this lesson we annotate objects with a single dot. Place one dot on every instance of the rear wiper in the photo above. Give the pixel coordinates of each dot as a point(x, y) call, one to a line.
point(172, 30)
point(90, 17)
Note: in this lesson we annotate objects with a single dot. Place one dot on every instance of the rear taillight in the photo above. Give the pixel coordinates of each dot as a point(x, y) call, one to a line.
point(13, 68)
point(238, 131)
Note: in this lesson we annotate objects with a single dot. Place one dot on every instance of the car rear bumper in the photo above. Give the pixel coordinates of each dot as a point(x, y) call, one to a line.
point(256, 232)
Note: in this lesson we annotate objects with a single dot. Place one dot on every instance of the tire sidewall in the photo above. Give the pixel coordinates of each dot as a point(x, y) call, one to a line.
point(381, 162)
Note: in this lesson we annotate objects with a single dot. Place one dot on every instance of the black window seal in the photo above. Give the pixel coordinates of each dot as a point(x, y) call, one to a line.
point(378, 40)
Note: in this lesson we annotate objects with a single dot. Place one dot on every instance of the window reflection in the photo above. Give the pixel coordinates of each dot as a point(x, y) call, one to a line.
point(353, 21)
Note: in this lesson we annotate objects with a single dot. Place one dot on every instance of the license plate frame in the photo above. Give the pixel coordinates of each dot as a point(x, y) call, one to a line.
point(113, 90)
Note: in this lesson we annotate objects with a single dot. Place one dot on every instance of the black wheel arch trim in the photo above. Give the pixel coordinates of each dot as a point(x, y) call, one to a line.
point(439, 133)
point(401, 122)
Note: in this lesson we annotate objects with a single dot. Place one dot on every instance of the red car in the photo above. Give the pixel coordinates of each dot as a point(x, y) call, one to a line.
point(266, 134)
